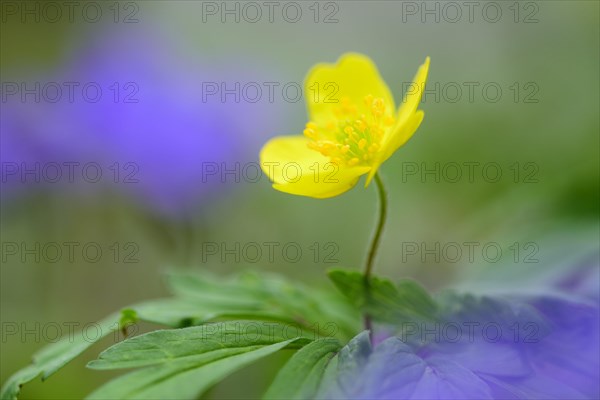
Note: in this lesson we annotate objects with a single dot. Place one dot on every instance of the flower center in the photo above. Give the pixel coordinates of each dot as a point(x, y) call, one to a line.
point(352, 138)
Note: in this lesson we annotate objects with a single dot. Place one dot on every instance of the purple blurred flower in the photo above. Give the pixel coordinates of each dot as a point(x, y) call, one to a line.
point(539, 348)
point(150, 130)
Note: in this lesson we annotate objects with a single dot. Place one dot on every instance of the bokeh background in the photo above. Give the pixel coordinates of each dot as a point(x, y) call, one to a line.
point(157, 204)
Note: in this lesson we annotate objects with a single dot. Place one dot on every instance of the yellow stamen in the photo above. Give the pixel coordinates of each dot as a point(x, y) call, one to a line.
point(310, 133)
point(378, 107)
point(353, 161)
point(361, 125)
point(350, 138)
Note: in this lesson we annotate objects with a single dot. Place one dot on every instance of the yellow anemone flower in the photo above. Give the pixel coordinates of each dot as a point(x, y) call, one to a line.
point(353, 128)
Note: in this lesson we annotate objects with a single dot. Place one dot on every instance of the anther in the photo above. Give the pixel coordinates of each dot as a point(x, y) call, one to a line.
point(353, 161)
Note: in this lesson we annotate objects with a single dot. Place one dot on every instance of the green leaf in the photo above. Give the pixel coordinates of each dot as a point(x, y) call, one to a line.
point(186, 379)
point(413, 296)
point(164, 345)
point(264, 296)
point(301, 376)
point(201, 298)
point(12, 387)
point(382, 300)
point(53, 357)
point(56, 355)
point(329, 380)
point(183, 363)
point(345, 368)
point(184, 312)
point(352, 358)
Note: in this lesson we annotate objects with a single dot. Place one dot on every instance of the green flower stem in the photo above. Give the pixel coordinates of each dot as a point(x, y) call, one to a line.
point(380, 225)
point(375, 246)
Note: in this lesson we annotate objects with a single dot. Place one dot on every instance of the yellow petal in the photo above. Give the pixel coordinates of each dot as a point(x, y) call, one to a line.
point(307, 187)
point(398, 138)
point(352, 78)
point(407, 122)
point(296, 169)
point(413, 95)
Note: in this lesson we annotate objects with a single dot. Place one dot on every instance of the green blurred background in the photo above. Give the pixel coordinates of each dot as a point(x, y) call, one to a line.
point(551, 128)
